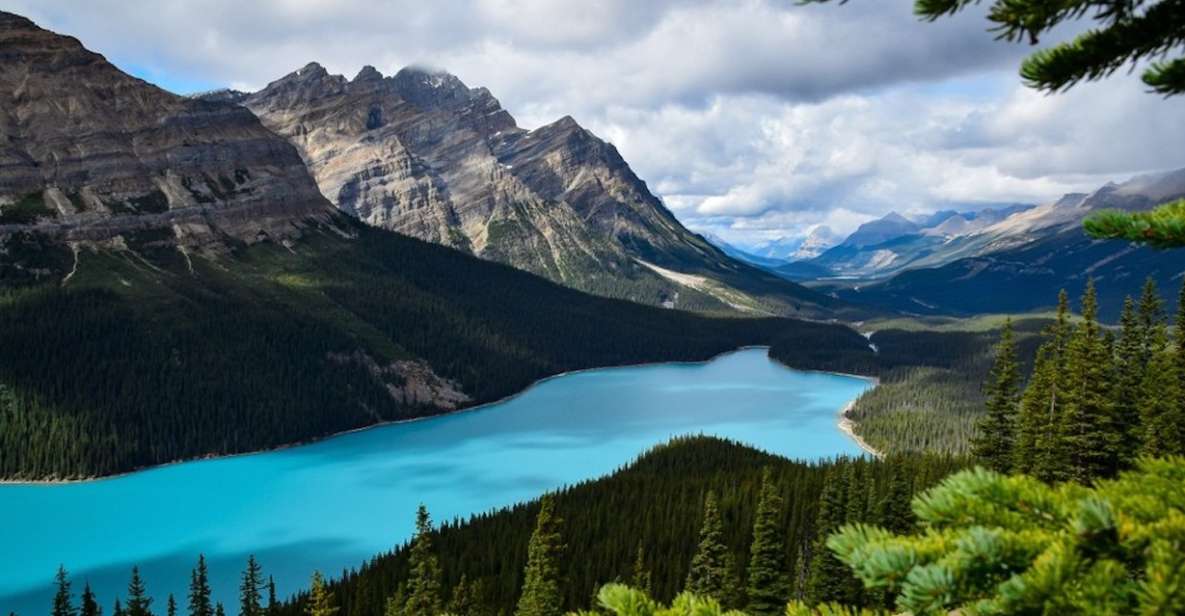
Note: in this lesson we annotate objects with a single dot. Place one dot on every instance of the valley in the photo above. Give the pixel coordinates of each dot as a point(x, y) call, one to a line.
point(311, 345)
point(333, 504)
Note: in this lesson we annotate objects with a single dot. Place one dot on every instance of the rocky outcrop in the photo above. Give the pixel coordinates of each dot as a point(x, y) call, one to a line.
point(423, 154)
point(88, 152)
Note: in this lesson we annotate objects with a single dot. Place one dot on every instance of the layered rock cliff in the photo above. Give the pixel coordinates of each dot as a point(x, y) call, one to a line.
point(423, 154)
point(88, 153)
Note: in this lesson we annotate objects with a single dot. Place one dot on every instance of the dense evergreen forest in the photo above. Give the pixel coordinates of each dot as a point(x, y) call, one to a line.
point(929, 396)
point(642, 525)
point(148, 355)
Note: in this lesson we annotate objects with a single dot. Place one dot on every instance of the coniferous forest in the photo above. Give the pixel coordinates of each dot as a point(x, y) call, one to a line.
point(147, 357)
point(706, 522)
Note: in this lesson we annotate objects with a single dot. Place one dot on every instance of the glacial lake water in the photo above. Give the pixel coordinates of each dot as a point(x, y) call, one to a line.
point(335, 503)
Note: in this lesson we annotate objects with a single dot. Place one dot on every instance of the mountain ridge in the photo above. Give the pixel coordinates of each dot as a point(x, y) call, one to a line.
point(421, 153)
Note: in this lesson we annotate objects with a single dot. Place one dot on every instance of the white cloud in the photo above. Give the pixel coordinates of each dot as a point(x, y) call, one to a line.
point(758, 118)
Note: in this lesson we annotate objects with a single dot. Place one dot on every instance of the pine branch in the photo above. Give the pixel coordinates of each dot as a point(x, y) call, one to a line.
point(1162, 227)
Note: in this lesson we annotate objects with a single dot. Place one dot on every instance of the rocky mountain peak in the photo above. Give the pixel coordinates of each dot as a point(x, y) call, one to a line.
point(14, 21)
point(368, 73)
point(430, 87)
point(98, 153)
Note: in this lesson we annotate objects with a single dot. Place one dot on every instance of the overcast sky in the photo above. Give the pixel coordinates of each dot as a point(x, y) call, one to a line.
point(751, 118)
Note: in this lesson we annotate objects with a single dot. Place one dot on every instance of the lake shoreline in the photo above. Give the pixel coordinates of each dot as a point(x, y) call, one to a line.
point(381, 424)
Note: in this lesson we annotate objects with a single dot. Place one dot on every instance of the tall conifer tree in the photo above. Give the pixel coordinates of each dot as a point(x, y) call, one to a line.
point(1088, 431)
point(139, 603)
point(199, 590)
point(993, 446)
point(63, 600)
point(250, 596)
point(712, 567)
point(320, 599)
point(1035, 425)
point(768, 584)
point(1160, 405)
point(827, 578)
point(542, 583)
point(90, 605)
point(423, 585)
point(1131, 352)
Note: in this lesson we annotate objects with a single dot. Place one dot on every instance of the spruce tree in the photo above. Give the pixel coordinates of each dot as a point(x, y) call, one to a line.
point(1161, 416)
point(199, 590)
point(1037, 418)
point(139, 603)
point(893, 510)
point(542, 586)
point(423, 585)
point(273, 607)
point(90, 605)
point(171, 606)
point(63, 600)
point(320, 599)
point(117, 609)
point(768, 584)
point(712, 566)
point(827, 578)
point(249, 589)
point(219, 610)
point(640, 576)
point(1088, 431)
point(467, 598)
point(993, 446)
point(1131, 354)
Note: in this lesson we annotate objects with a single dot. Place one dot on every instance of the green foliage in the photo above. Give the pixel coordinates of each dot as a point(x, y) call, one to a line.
point(1161, 227)
point(994, 445)
point(63, 601)
point(89, 605)
point(994, 544)
point(139, 361)
point(199, 590)
point(930, 394)
point(320, 599)
point(423, 584)
point(1096, 400)
point(655, 503)
point(139, 603)
point(713, 569)
point(622, 600)
point(249, 589)
point(768, 585)
point(1125, 33)
point(542, 579)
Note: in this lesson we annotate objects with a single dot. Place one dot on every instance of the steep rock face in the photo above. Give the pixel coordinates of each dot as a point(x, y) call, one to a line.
point(423, 154)
point(88, 152)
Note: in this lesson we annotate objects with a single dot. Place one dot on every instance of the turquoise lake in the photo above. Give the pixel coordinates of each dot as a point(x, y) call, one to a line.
point(333, 504)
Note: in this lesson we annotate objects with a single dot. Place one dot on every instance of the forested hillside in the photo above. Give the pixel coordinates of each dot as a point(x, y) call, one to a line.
point(930, 396)
point(145, 354)
point(641, 525)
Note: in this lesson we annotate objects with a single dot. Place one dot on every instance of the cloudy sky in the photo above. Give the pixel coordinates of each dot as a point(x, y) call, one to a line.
point(752, 119)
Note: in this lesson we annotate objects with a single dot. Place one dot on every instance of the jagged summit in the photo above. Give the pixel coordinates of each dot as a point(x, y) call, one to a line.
point(368, 73)
point(422, 153)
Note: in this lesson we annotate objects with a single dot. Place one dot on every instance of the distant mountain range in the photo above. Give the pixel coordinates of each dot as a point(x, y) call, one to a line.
point(1018, 262)
point(894, 243)
point(423, 154)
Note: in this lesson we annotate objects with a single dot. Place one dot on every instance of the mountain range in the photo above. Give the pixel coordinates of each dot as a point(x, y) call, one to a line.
point(421, 153)
point(173, 284)
point(1018, 262)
